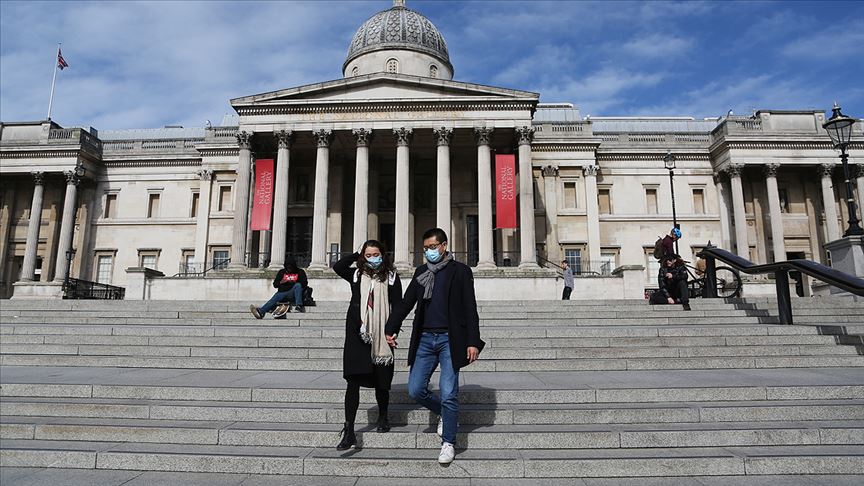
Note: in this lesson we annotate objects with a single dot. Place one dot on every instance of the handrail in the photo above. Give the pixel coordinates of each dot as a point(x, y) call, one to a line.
point(831, 276)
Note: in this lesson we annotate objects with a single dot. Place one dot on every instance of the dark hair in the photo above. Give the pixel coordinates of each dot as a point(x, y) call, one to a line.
point(437, 233)
point(383, 272)
point(290, 264)
point(563, 261)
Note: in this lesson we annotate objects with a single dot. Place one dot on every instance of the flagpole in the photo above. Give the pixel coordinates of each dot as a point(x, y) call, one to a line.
point(53, 80)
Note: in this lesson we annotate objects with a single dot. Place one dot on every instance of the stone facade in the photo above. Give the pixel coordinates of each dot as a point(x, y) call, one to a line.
point(386, 155)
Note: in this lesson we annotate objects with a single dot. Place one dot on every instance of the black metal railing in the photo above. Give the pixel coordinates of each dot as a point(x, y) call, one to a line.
point(200, 269)
point(74, 288)
point(780, 270)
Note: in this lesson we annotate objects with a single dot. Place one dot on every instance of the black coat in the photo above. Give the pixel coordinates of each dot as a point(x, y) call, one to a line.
point(281, 286)
point(357, 355)
point(464, 329)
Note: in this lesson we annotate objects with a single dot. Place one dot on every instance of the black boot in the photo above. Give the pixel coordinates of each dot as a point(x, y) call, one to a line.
point(383, 424)
point(349, 440)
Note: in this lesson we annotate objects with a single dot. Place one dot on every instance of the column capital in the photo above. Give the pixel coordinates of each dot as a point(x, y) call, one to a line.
point(285, 137)
point(483, 135)
point(591, 170)
point(38, 177)
point(550, 171)
point(826, 170)
point(734, 170)
point(205, 174)
point(323, 137)
point(525, 135)
point(72, 178)
point(402, 135)
point(443, 135)
point(244, 139)
point(771, 170)
point(363, 136)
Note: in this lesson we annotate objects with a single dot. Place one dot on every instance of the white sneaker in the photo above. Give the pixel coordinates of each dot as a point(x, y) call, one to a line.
point(447, 453)
point(440, 426)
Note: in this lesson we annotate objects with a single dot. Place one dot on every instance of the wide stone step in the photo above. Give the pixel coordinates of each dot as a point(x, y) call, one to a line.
point(424, 436)
point(483, 365)
point(492, 353)
point(402, 463)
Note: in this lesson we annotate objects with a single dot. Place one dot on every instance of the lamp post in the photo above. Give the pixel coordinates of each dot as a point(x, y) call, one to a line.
point(70, 255)
point(839, 128)
point(669, 161)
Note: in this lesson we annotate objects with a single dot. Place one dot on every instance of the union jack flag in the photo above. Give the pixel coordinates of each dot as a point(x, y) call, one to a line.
point(61, 63)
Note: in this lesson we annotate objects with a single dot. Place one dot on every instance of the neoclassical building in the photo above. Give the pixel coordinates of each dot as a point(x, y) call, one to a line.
point(398, 146)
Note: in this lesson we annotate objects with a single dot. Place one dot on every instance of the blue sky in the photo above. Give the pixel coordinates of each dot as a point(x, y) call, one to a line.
point(148, 64)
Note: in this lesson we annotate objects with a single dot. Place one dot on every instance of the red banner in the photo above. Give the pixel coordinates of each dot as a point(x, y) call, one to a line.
point(505, 191)
point(262, 205)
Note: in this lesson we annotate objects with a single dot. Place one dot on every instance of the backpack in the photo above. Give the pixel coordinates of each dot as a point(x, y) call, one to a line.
point(658, 249)
point(307, 297)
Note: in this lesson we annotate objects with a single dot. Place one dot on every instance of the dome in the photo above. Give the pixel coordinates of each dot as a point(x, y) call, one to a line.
point(398, 28)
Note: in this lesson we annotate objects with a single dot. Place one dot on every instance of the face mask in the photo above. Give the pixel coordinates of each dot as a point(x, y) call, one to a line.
point(432, 256)
point(374, 262)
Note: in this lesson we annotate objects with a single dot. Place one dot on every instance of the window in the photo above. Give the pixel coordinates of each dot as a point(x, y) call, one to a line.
point(300, 188)
point(604, 201)
point(355, 71)
point(698, 201)
point(220, 257)
point(650, 200)
point(153, 205)
point(196, 197)
point(574, 259)
point(148, 259)
point(104, 268)
point(225, 203)
point(110, 210)
point(608, 261)
point(652, 266)
point(570, 195)
point(187, 260)
point(392, 66)
point(433, 71)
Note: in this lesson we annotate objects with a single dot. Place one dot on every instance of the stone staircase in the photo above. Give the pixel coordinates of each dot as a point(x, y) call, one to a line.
point(614, 389)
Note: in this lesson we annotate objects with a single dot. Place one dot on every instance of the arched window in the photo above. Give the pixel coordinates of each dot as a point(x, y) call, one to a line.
point(392, 65)
point(355, 71)
point(433, 71)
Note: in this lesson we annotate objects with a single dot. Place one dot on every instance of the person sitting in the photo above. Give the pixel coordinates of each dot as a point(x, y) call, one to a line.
point(672, 280)
point(290, 281)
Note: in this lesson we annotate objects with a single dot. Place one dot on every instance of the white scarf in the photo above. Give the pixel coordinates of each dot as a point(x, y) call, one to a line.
point(374, 311)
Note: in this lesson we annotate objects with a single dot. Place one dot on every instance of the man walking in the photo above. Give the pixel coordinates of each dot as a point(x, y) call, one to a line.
point(446, 331)
point(568, 280)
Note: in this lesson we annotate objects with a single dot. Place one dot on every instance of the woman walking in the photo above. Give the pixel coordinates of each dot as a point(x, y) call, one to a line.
point(367, 359)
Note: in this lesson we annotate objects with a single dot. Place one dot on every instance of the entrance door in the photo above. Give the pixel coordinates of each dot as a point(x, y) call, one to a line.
point(387, 235)
point(299, 241)
point(471, 230)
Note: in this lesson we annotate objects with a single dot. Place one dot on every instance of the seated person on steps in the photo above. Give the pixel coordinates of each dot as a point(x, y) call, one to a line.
point(290, 281)
point(672, 280)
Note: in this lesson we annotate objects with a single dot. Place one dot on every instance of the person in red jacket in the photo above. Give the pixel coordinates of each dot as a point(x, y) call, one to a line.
point(290, 281)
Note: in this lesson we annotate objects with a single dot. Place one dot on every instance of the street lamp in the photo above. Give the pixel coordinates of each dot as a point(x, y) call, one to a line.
point(669, 161)
point(70, 254)
point(839, 128)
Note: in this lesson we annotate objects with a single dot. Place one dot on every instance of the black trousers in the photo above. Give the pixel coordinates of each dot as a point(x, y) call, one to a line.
point(566, 294)
point(678, 291)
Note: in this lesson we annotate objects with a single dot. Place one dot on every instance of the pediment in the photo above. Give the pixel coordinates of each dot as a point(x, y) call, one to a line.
point(382, 87)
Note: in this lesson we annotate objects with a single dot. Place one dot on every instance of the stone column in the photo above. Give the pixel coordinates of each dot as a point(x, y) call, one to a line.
point(202, 219)
point(442, 213)
point(829, 202)
point(527, 233)
point(241, 202)
point(67, 225)
point(777, 237)
point(483, 136)
point(741, 243)
point(28, 269)
point(319, 211)
point(860, 184)
point(401, 253)
point(280, 200)
point(593, 208)
point(361, 187)
point(553, 248)
point(723, 208)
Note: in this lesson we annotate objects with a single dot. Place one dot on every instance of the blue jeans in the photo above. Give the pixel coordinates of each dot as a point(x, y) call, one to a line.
point(296, 291)
point(434, 349)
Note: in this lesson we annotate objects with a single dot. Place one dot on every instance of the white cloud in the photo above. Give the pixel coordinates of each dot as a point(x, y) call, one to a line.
point(658, 45)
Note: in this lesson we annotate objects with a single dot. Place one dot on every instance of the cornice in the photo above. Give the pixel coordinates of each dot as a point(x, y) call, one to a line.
point(648, 157)
point(561, 147)
point(220, 152)
point(431, 106)
point(42, 154)
point(151, 163)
